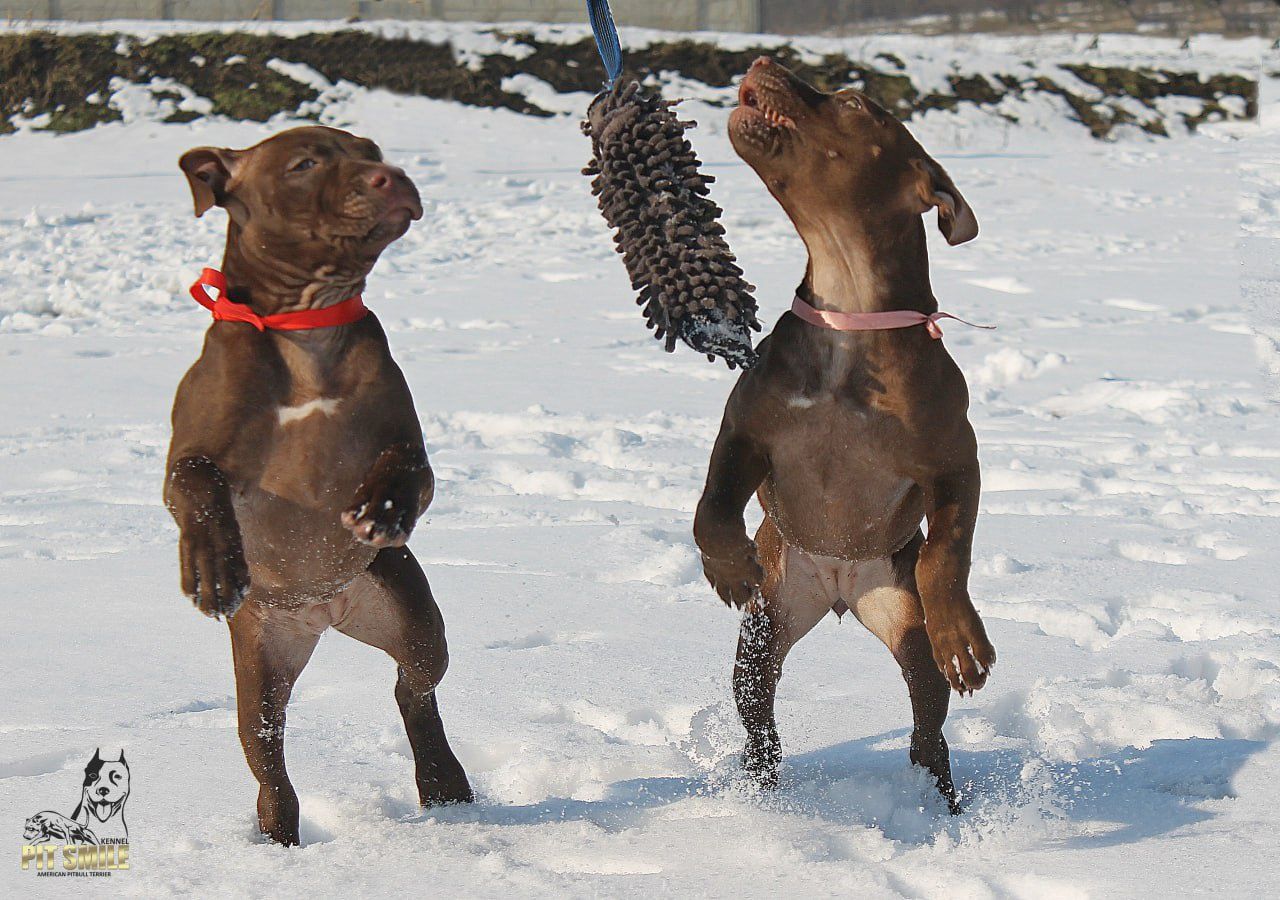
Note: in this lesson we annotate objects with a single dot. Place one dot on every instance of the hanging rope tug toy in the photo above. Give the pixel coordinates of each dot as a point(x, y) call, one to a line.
point(652, 193)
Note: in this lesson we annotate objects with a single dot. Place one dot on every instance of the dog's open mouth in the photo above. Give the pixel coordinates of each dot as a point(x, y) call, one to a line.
point(764, 117)
point(763, 103)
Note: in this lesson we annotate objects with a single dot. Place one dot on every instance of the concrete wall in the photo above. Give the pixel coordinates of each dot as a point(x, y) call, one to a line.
point(778, 16)
point(676, 15)
point(1167, 16)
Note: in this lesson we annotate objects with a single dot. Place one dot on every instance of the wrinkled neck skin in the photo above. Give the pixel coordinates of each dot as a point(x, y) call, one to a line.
point(862, 267)
point(269, 284)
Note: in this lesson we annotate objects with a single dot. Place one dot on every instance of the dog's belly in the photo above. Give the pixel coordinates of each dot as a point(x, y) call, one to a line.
point(296, 554)
point(833, 583)
point(831, 492)
point(294, 541)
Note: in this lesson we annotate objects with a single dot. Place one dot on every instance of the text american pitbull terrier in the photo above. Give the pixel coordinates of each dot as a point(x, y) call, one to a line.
point(297, 469)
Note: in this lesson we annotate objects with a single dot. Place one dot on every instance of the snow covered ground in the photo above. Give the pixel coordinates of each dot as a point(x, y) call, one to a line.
point(1126, 565)
point(1259, 248)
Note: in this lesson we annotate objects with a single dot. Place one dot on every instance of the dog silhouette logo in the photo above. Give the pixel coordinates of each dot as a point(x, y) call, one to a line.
point(102, 799)
point(49, 827)
point(94, 839)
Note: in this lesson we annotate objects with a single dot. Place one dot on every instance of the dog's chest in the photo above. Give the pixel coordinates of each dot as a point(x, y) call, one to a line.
point(842, 444)
point(321, 448)
point(318, 451)
point(293, 413)
point(839, 454)
point(847, 409)
point(108, 825)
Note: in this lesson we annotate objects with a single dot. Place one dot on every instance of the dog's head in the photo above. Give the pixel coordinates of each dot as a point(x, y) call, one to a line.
point(36, 826)
point(315, 198)
point(106, 784)
point(827, 157)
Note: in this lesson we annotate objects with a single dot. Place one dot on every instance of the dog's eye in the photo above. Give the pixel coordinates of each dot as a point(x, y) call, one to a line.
point(302, 165)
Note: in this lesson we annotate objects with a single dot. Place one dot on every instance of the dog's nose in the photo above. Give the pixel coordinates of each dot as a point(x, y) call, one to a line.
point(395, 187)
point(383, 178)
point(762, 62)
point(102, 792)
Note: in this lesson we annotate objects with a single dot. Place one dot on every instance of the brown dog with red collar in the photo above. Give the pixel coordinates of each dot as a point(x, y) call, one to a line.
point(850, 438)
point(297, 469)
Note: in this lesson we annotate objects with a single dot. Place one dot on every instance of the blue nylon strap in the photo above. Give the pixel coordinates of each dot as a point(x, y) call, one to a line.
point(606, 38)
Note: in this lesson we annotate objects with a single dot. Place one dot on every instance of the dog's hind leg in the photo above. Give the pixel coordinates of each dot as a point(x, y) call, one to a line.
point(270, 649)
point(889, 606)
point(794, 602)
point(930, 695)
point(391, 608)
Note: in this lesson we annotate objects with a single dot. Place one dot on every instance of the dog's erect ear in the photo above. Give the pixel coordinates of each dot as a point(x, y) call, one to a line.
point(935, 188)
point(121, 760)
point(208, 171)
point(97, 756)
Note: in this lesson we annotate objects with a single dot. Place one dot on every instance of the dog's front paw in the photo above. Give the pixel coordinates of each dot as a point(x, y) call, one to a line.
point(736, 578)
point(215, 576)
point(380, 518)
point(961, 649)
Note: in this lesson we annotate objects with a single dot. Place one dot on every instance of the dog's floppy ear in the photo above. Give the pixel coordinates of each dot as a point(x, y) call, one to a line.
point(935, 188)
point(209, 170)
point(370, 148)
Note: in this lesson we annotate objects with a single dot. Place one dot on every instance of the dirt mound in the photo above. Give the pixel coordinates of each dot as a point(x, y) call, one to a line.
point(69, 78)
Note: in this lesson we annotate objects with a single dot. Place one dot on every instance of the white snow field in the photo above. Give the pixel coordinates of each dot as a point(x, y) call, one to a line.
point(1125, 561)
point(1259, 248)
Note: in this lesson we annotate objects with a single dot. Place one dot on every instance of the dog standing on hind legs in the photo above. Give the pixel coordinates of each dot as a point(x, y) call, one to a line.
point(853, 426)
point(297, 468)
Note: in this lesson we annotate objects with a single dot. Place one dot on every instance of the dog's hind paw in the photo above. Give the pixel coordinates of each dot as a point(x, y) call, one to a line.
point(761, 760)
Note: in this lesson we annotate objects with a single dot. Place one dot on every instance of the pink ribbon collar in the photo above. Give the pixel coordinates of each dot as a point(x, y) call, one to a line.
point(875, 321)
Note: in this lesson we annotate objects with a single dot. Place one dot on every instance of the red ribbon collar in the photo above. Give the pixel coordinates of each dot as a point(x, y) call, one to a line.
point(224, 310)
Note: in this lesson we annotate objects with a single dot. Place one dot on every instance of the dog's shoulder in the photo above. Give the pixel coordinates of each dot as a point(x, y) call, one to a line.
point(903, 374)
point(789, 362)
point(234, 383)
point(232, 352)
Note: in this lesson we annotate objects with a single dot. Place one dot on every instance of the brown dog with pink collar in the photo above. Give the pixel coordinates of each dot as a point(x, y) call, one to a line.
point(853, 426)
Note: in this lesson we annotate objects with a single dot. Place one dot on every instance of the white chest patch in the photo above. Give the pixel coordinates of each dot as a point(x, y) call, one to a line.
point(798, 402)
point(326, 406)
